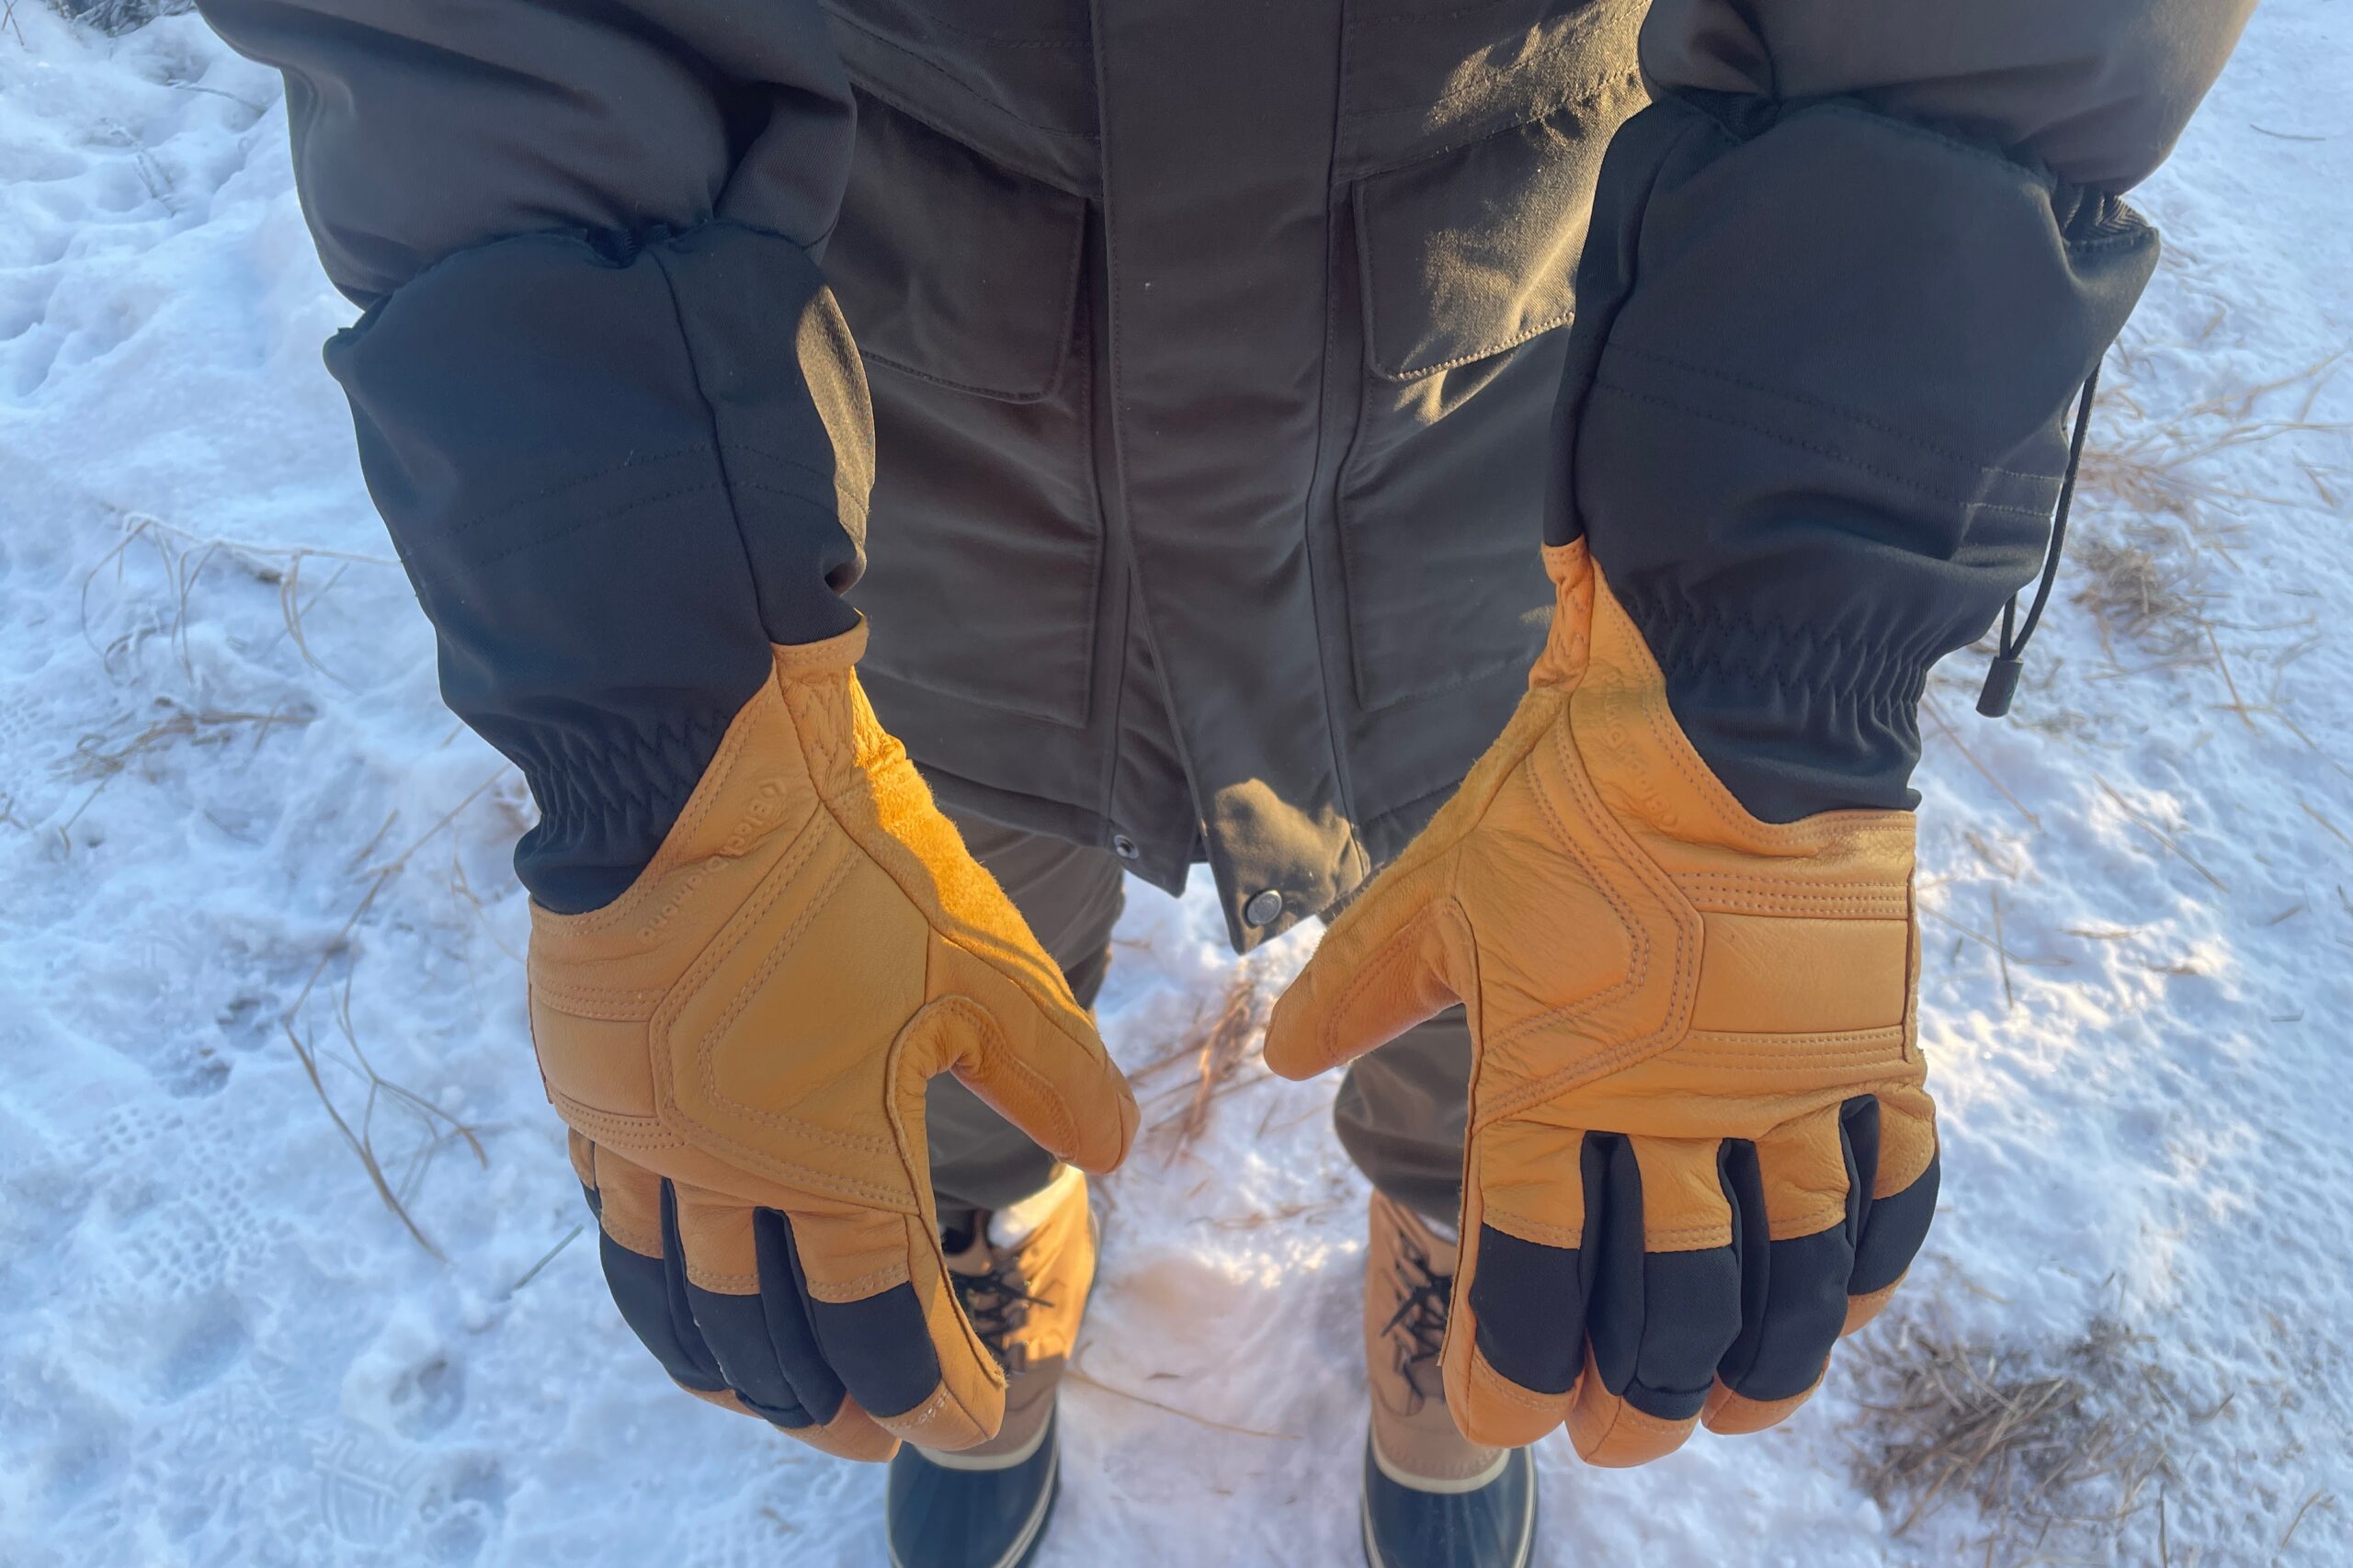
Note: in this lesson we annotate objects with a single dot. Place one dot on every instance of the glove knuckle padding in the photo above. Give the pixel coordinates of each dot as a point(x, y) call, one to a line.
point(1700, 1145)
point(741, 1045)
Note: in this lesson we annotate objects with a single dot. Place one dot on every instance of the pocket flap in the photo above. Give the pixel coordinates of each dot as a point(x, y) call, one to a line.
point(949, 267)
point(1474, 251)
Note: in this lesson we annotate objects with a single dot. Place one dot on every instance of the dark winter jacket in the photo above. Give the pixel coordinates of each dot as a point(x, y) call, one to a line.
point(1214, 351)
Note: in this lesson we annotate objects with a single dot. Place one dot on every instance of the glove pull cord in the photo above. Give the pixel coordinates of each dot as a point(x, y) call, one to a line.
point(2002, 679)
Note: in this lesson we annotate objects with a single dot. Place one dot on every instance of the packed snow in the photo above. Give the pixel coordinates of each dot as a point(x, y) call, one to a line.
point(260, 994)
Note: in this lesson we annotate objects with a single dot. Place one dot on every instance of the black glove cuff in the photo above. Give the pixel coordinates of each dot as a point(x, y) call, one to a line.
point(617, 474)
point(1813, 418)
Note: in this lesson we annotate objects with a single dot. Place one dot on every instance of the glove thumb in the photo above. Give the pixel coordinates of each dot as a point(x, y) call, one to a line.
point(1400, 954)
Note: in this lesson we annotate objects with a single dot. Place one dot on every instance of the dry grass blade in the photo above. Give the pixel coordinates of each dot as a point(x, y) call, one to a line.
point(547, 1258)
point(1970, 933)
point(2002, 955)
point(2333, 830)
point(1935, 714)
point(1077, 1376)
point(378, 1089)
point(182, 556)
point(2142, 579)
point(99, 760)
point(2320, 1498)
point(1223, 1040)
point(2156, 524)
point(2160, 835)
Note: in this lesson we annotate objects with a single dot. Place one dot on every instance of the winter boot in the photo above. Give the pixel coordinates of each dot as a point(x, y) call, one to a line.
point(1022, 1275)
point(1432, 1499)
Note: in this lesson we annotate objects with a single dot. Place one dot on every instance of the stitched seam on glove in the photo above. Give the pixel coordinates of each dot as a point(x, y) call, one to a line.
point(1637, 936)
point(1377, 965)
point(1538, 1230)
point(706, 1047)
point(1858, 900)
point(1047, 1004)
point(614, 1006)
point(637, 1134)
point(1631, 858)
point(842, 1292)
point(1065, 1129)
point(1829, 1216)
point(637, 1241)
point(1728, 1061)
point(1504, 1388)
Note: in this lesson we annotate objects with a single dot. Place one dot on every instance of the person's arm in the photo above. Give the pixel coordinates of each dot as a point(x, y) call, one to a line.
point(1847, 277)
point(621, 435)
point(603, 401)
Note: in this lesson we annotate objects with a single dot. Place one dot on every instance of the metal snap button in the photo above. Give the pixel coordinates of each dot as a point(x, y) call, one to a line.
point(1263, 908)
point(1124, 846)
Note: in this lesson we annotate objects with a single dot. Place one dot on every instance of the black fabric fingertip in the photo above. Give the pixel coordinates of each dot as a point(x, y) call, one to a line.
point(1523, 1296)
point(1787, 1336)
point(1670, 1316)
point(1893, 1232)
point(815, 1384)
point(879, 1345)
point(1613, 1196)
point(1859, 1140)
point(652, 1295)
point(737, 1331)
point(1693, 1313)
point(1529, 1300)
point(1744, 1183)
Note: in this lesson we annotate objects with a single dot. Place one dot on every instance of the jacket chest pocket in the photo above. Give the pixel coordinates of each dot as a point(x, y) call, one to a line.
point(1466, 265)
point(963, 283)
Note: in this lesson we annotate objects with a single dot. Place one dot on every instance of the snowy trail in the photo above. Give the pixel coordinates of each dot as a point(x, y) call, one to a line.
point(228, 792)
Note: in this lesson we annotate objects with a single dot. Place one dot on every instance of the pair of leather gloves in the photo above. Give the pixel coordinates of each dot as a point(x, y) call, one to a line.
point(1700, 1147)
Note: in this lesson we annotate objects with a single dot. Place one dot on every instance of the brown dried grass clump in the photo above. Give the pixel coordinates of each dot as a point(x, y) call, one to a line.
point(1227, 1035)
point(2158, 523)
point(2139, 583)
point(2044, 1445)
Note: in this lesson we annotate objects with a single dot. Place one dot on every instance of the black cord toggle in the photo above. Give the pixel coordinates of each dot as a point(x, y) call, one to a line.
point(2009, 665)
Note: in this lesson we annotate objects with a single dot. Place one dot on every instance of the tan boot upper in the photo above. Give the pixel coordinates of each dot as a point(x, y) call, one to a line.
point(1408, 1276)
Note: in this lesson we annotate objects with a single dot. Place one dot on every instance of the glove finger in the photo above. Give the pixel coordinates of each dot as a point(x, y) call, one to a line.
point(1031, 1054)
point(1666, 1298)
point(1896, 1162)
point(583, 1162)
point(1799, 1196)
point(1515, 1338)
point(741, 1290)
point(875, 1289)
point(637, 1242)
point(1388, 961)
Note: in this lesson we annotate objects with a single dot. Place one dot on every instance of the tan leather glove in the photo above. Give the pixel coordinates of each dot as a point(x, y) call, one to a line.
point(741, 1043)
point(1700, 1147)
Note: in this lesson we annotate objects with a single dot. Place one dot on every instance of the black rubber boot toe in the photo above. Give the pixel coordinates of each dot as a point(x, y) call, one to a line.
point(1488, 1525)
point(943, 1514)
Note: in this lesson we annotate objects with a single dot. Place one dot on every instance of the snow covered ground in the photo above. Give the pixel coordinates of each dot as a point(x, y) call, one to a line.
point(229, 797)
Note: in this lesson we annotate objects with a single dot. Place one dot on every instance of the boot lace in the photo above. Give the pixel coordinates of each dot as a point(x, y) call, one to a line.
point(1417, 1330)
point(998, 1300)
